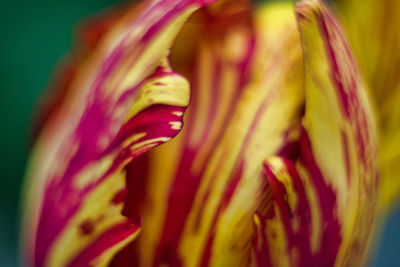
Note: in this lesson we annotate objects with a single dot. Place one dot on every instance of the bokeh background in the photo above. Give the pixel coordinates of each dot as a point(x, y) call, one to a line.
point(34, 35)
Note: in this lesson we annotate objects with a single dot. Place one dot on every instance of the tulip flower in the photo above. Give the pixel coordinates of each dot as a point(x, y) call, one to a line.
point(206, 133)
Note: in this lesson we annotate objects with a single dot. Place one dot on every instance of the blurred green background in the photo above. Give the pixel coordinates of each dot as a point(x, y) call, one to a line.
point(34, 36)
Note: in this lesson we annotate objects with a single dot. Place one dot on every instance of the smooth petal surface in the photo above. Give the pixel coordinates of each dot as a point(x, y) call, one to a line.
point(324, 203)
point(374, 30)
point(202, 188)
point(124, 100)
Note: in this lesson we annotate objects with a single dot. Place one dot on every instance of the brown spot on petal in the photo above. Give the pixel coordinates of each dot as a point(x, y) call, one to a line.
point(86, 227)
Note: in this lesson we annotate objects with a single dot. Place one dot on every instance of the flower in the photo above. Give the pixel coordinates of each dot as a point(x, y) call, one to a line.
point(277, 164)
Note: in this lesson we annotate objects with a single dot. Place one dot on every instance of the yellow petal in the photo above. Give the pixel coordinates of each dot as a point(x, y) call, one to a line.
point(374, 31)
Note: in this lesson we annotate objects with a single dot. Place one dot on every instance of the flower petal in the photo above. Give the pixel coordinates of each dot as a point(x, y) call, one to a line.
point(324, 203)
point(283, 233)
point(124, 100)
point(199, 202)
point(377, 23)
point(337, 165)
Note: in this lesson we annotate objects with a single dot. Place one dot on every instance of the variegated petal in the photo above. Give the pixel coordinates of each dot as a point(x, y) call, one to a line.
point(203, 187)
point(325, 202)
point(283, 233)
point(374, 31)
point(124, 100)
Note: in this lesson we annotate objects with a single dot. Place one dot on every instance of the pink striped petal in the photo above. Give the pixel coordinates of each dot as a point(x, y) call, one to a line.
point(324, 202)
point(124, 100)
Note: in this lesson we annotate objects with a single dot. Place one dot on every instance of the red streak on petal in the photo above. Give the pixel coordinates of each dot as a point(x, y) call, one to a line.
point(227, 196)
point(260, 243)
point(331, 237)
point(108, 239)
point(137, 185)
point(180, 201)
point(346, 155)
point(347, 90)
point(296, 239)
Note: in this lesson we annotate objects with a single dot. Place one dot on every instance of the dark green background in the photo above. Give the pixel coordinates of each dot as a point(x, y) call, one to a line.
point(34, 35)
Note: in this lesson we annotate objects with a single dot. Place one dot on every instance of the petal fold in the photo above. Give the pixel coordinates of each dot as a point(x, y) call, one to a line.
point(283, 233)
point(124, 100)
point(338, 155)
point(203, 187)
point(377, 24)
